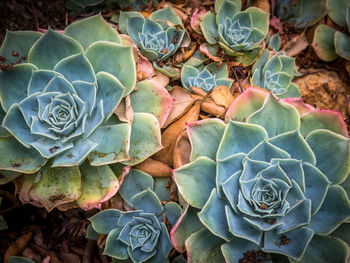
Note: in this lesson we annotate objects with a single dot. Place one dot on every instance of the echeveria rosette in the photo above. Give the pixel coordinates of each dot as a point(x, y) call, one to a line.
point(275, 73)
point(138, 235)
point(300, 13)
point(328, 42)
point(195, 74)
point(270, 179)
point(239, 33)
point(158, 37)
point(59, 112)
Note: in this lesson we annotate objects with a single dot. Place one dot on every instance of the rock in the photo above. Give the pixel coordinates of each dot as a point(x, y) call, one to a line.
point(325, 90)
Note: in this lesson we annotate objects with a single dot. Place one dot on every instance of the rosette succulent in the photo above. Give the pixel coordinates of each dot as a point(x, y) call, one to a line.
point(141, 234)
point(195, 74)
point(275, 73)
point(239, 33)
point(158, 37)
point(328, 42)
point(300, 13)
point(59, 113)
point(269, 183)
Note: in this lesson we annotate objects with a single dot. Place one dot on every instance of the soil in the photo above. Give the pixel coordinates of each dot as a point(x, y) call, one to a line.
point(60, 236)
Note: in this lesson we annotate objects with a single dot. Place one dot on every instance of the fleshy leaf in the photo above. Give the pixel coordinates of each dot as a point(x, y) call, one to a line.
point(324, 249)
point(13, 84)
point(323, 119)
point(56, 186)
point(76, 67)
point(45, 54)
point(298, 241)
point(332, 153)
point(98, 184)
point(188, 224)
point(276, 116)
point(18, 41)
point(135, 182)
point(114, 247)
point(203, 246)
point(15, 157)
point(245, 104)
point(323, 42)
point(151, 98)
point(293, 143)
point(112, 144)
point(115, 59)
point(240, 138)
point(145, 138)
point(105, 221)
point(342, 42)
point(213, 216)
point(212, 128)
point(335, 210)
point(166, 14)
point(148, 201)
point(209, 28)
point(196, 180)
point(173, 212)
point(234, 250)
point(92, 29)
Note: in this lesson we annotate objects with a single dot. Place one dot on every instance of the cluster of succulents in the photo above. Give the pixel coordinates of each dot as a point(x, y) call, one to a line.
point(62, 130)
point(328, 42)
point(140, 234)
point(270, 181)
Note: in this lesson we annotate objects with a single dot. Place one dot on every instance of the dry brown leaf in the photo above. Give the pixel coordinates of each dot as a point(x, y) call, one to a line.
point(182, 150)
point(183, 101)
point(198, 91)
point(46, 259)
point(170, 134)
point(222, 96)
point(262, 4)
point(209, 106)
point(17, 247)
point(69, 257)
point(154, 168)
point(296, 45)
point(146, 14)
point(124, 110)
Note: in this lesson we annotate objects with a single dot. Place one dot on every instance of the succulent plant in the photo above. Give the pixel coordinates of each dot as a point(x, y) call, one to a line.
point(239, 33)
point(275, 73)
point(195, 74)
point(268, 183)
point(300, 13)
point(329, 43)
point(158, 37)
point(141, 234)
point(59, 113)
